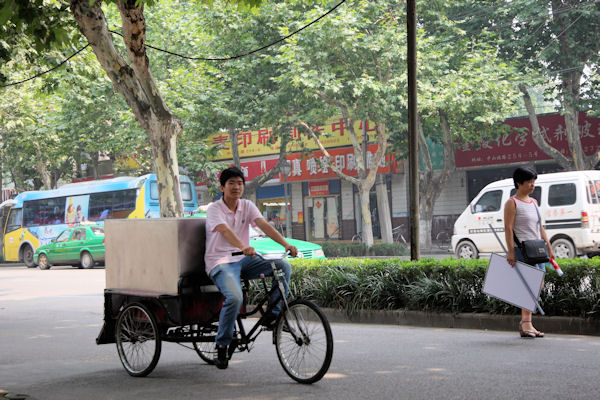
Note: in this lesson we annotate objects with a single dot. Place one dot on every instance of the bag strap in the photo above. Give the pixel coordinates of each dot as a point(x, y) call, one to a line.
point(518, 243)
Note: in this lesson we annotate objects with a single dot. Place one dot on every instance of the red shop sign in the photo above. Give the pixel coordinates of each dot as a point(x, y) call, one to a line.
point(519, 147)
point(318, 188)
point(313, 167)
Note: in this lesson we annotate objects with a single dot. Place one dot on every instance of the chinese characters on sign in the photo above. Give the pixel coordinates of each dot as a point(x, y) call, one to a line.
point(519, 147)
point(334, 133)
point(316, 166)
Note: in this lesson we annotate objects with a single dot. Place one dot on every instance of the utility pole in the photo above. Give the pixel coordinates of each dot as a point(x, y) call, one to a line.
point(413, 143)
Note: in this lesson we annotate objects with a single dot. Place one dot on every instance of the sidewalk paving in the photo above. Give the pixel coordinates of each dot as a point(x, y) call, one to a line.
point(557, 325)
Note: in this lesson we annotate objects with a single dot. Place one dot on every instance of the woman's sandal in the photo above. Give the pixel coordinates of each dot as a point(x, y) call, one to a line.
point(527, 333)
point(538, 333)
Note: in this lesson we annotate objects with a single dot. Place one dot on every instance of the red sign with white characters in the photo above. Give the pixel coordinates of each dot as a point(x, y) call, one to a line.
point(519, 147)
point(252, 169)
point(318, 188)
point(313, 166)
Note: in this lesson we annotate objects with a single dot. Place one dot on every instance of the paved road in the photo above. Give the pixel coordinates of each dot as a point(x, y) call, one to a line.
point(49, 320)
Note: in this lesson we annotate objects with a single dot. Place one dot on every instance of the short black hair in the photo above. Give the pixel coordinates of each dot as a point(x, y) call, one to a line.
point(523, 174)
point(231, 172)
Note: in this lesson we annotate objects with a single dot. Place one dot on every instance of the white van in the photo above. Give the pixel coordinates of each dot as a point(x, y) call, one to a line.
point(569, 205)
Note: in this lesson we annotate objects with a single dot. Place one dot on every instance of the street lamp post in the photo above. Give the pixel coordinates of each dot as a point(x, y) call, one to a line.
point(285, 170)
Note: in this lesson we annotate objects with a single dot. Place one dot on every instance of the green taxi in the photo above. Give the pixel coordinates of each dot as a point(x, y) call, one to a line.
point(81, 245)
point(265, 245)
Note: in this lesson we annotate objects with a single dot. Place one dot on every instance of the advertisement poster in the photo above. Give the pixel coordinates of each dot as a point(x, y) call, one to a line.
point(77, 209)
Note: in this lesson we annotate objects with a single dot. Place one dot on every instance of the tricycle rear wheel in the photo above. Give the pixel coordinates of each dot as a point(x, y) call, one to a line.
point(138, 340)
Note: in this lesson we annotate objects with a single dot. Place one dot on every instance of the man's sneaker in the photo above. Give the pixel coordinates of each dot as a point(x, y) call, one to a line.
point(269, 321)
point(221, 361)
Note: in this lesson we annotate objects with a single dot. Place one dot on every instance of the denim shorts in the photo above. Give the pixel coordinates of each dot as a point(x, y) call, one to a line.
point(519, 257)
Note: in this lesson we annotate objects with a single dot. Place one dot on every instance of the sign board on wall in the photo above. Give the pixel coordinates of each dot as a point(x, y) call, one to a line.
point(334, 133)
point(318, 188)
point(519, 147)
point(313, 167)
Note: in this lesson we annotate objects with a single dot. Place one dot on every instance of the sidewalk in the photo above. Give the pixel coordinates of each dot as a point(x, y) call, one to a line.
point(558, 325)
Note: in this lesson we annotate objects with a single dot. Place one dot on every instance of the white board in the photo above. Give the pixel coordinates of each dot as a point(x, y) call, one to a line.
point(504, 283)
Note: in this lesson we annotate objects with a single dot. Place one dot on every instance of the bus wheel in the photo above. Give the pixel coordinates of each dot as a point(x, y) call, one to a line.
point(27, 256)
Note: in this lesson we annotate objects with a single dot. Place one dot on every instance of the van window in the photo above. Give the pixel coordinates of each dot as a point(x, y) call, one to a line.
point(593, 192)
point(563, 194)
point(537, 194)
point(490, 201)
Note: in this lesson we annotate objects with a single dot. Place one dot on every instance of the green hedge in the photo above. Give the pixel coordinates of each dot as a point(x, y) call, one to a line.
point(336, 249)
point(446, 285)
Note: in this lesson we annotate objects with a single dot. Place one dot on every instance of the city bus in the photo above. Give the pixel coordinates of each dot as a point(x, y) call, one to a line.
point(34, 218)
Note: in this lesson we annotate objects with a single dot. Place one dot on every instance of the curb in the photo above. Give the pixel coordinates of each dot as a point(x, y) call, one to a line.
point(558, 325)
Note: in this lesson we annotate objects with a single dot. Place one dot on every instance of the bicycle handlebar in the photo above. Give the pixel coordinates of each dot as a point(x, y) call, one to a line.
point(265, 257)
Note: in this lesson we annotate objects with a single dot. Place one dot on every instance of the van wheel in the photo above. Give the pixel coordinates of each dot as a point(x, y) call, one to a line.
point(467, 250)
point(563, 248)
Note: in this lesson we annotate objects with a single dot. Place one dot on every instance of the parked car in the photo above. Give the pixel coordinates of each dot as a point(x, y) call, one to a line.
point(265, 245)
point(81, 245)
point(569, 205)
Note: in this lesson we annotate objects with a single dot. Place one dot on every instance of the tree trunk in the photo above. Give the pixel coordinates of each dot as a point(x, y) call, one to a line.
point(383, 206)
point(43, 172)
point(365, 208)
point(536, 133)
point(136, 84)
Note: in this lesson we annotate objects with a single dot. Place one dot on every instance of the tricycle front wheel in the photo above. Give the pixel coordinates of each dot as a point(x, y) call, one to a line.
point(304, 342)
point(138, 340)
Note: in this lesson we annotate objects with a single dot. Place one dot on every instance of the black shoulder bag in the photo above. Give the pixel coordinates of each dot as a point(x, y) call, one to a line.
point(534, 251)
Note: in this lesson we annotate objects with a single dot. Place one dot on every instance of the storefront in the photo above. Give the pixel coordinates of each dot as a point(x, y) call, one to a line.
point(322, 210)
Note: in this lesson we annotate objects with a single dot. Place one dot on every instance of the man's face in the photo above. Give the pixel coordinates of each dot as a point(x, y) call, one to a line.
point(234, 188)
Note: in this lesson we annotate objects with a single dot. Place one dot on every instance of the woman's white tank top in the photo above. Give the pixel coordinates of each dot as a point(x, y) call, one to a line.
point(526, 220)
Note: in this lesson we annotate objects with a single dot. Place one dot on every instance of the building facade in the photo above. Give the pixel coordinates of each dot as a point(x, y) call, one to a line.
point(325, 207)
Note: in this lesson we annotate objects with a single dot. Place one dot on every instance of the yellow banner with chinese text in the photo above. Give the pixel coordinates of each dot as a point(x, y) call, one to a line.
point(334, 133)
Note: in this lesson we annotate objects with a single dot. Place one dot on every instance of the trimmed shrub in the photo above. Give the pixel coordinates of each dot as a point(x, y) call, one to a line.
point(336, 249)
point(446, 285)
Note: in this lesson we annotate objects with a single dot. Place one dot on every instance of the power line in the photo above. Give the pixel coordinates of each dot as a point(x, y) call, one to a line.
point(187, 57)
point(243, 54)
point(48, 70)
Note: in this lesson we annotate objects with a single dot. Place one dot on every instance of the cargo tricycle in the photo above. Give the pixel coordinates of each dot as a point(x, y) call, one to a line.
point(157, 291)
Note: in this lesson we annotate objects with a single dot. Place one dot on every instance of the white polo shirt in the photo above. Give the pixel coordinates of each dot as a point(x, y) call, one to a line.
point(218, 249)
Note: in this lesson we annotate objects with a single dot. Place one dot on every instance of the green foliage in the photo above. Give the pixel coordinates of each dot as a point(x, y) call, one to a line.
point(446, 285)
point(339, 249)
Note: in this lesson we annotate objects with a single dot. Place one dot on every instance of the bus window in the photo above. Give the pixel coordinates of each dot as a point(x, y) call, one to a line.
point(14, 220)
point(117, 204)
point(44, 212)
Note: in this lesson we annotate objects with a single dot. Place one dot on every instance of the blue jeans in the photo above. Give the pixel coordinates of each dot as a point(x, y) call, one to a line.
point(227, 277)
point(519, 256)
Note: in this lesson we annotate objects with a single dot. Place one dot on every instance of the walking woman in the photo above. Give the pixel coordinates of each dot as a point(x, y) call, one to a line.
point(521, 218)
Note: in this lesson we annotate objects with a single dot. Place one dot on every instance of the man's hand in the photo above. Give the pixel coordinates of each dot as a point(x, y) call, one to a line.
point(249, 251)
point(293, 250)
